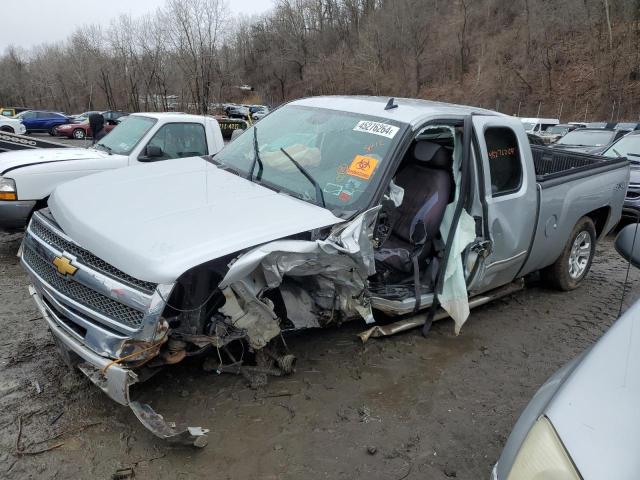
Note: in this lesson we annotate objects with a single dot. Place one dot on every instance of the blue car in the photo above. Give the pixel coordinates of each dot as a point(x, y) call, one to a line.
point(42, 121)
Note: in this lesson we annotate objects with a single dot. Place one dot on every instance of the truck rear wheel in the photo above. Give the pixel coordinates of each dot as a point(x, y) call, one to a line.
point(574, 263)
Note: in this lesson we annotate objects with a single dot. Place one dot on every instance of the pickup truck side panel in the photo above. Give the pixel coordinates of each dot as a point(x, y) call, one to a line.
point(562, 204)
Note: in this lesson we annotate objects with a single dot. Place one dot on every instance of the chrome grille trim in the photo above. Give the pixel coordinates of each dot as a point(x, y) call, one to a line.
point(43, 230)
point(79, 293)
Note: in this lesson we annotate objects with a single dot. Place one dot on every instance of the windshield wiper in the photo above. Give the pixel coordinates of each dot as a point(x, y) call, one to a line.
point(108, 149)
point(256, 157)
point(319, 195)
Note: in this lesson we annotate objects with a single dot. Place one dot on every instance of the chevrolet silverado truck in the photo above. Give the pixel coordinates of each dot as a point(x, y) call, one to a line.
point(27, 177)
point(327, 210)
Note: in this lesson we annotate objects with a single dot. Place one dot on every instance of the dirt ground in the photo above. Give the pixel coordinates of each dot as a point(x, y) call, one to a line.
point(406, 407)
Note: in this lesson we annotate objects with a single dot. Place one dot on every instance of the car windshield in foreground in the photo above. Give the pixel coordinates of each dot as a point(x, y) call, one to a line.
point(587, 138)
point(343, 154)
point(123, 138)
point(528, 126)
point(625, 147)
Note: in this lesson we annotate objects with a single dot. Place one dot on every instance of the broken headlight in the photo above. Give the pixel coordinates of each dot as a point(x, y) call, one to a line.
point(542, 455)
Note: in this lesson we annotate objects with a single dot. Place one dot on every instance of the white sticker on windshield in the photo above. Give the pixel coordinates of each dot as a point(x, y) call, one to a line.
point(376, 128)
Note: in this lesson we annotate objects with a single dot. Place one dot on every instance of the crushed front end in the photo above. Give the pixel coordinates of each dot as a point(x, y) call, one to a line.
point(104, 322)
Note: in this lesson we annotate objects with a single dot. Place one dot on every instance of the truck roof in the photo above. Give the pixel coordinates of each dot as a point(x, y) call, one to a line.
point(175, 116)
point(411, 111)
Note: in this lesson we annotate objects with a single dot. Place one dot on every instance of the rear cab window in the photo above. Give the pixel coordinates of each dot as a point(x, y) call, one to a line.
point(505, 162)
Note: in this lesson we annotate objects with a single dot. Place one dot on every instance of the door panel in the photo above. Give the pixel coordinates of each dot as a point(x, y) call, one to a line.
point(510, 194)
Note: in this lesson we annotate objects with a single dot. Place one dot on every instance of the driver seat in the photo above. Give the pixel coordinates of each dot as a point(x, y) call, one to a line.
point(428, 188)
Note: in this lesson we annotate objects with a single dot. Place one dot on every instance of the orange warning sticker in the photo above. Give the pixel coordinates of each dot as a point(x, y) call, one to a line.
point(362, 167)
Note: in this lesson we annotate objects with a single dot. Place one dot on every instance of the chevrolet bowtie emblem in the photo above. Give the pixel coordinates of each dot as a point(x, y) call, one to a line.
point(64, 266)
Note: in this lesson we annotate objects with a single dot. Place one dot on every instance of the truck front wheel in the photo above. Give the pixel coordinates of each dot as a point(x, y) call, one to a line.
point(574, 263)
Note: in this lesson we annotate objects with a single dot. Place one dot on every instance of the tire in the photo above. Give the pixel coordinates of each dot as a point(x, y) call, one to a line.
point(79, 134)
point(7, 129)
point(53, 131)
point(574, 263)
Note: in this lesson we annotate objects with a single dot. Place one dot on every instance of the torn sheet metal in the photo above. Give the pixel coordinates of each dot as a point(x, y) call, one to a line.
point(154, 422)
point(334, 272)
point(454, 297)
point(248, 313)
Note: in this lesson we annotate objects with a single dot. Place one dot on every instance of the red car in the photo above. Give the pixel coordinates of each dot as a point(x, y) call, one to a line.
point(82, 130)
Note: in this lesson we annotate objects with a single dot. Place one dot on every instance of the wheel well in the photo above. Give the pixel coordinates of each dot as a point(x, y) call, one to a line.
point(599, 218)
point(6, 128)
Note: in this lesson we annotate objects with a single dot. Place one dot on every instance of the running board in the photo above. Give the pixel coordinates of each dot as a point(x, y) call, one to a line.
point(419, 319)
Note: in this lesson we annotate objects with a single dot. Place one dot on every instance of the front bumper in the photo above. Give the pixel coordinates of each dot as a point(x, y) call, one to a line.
point(113, 380)
point(15, 213)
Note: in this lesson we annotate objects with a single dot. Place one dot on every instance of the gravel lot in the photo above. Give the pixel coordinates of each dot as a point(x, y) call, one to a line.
point(399, 408)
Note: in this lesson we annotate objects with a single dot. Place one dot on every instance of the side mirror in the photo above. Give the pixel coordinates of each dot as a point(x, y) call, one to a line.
point(628, 244)
point(236, 133)
point(151, 152)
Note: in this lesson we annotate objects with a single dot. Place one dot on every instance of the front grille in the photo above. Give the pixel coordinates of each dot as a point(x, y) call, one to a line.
point(42, 231)
point(85, 296)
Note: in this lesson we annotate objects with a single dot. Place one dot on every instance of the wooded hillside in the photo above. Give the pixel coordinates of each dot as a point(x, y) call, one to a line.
point(578, 59)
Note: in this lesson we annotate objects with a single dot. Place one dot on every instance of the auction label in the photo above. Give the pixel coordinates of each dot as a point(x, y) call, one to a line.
point(362, 167)
point(376, 128)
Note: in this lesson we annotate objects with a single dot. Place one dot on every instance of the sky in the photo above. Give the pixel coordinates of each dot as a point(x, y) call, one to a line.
point(29, 23)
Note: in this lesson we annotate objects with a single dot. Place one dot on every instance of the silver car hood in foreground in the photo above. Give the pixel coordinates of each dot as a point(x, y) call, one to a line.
point(596, 411)
point(155, 222)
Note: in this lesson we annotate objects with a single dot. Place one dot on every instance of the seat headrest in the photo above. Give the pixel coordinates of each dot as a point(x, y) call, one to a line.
point(432, 154)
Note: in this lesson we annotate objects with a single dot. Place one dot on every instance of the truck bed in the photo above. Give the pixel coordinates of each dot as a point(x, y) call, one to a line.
point(555, 164)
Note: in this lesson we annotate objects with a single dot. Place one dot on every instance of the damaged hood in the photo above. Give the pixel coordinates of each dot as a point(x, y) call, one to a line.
point(11, 161)
point(155, 222)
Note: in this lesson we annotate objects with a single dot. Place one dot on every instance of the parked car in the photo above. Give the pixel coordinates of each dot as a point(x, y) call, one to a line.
point(81, 117)
point(259, 112)
point(27, 177)
point(42, 121)
point(237, 111)
point(327, 209)
point(588, 140)
point(12, 111)
point(628, 126)
point(553, 134)
point(538, 125)
point(12, 125)
point(82, 130)
point(629, 147)
point(584, 422)
point(113, 115)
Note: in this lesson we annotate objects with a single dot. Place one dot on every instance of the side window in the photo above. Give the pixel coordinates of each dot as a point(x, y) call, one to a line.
point(505, 165)
point(180, 140)
point(29, 116)
point(45, 115)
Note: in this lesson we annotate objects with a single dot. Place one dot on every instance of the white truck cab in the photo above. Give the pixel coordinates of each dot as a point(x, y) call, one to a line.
point(28, 177)
point(538, 125)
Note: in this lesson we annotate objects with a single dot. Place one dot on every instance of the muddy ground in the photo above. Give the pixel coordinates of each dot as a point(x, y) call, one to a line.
point(434, 408)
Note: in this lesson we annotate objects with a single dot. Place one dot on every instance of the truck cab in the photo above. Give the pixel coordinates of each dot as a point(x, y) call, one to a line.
point(538, 125)
point(329, 209)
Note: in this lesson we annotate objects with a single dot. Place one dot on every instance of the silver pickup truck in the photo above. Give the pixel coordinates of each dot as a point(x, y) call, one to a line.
point(329, 209)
